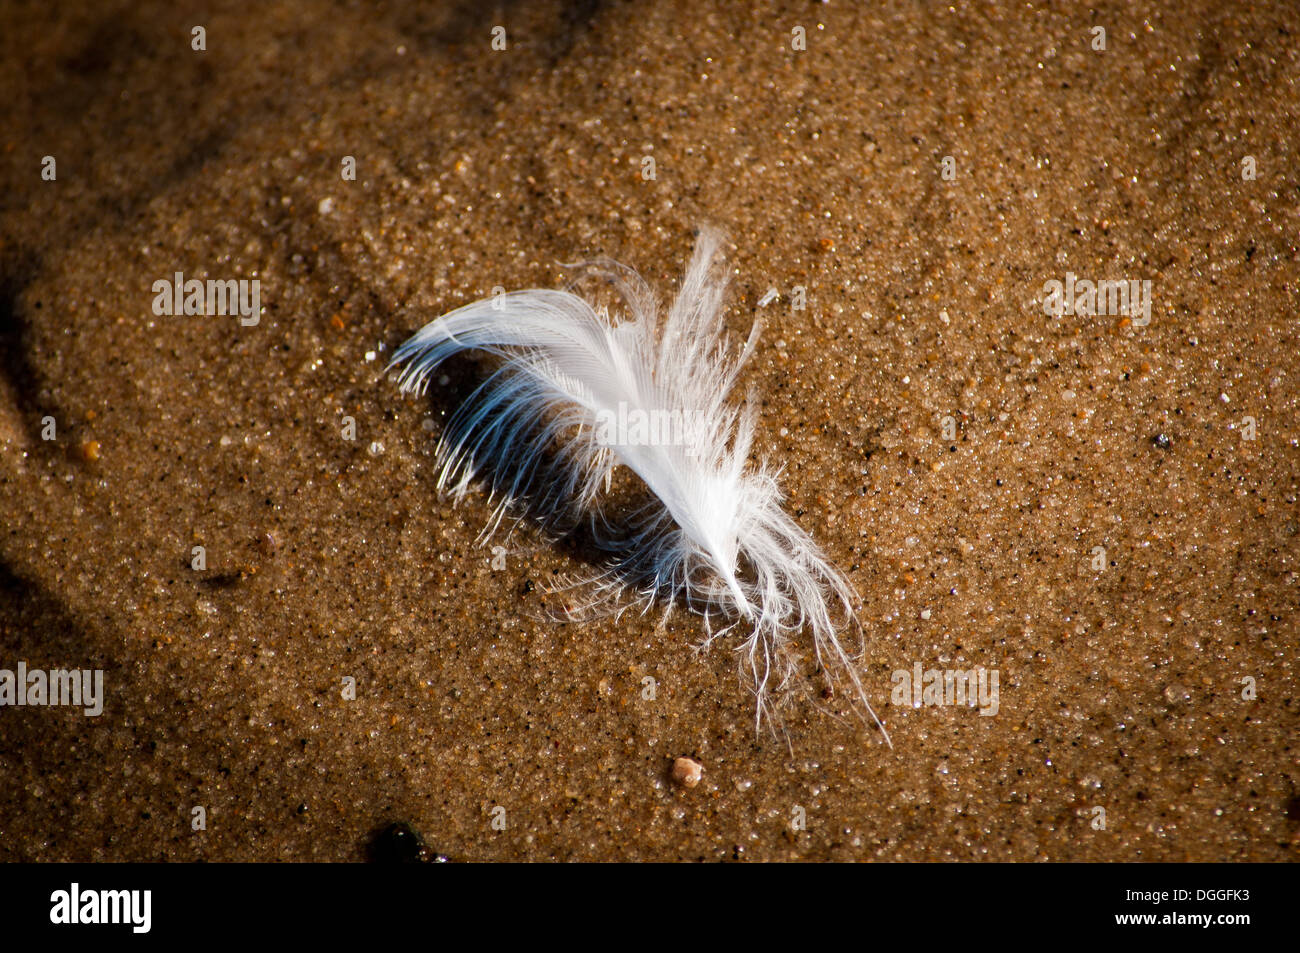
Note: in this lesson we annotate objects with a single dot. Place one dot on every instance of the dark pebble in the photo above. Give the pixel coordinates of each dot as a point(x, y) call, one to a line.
point(398, 843)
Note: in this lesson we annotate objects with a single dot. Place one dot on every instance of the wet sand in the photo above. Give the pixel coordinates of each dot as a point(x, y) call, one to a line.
point(1121, 731)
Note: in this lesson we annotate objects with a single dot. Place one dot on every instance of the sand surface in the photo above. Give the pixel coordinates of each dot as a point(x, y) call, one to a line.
point(1121, 731)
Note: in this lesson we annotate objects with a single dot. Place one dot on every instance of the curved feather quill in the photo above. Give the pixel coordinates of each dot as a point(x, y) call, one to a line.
point(714, 535)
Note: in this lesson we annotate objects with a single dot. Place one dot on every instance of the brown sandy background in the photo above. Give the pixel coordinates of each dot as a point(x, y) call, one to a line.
point(1120, 689)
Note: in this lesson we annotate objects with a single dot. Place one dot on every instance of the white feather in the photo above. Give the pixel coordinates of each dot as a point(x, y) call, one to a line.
point(714, 535)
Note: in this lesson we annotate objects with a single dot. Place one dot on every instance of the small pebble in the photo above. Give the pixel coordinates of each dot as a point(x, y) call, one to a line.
point(399, 843)
point(687, 773)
